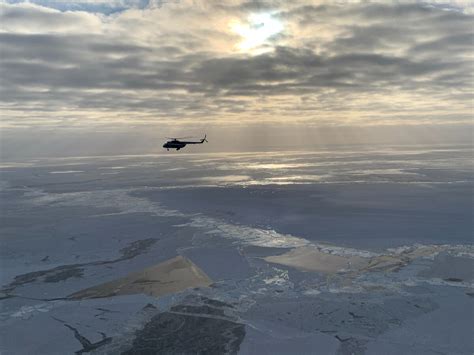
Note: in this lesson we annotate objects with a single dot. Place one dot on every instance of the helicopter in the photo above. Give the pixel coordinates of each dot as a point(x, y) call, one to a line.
point(175, 143)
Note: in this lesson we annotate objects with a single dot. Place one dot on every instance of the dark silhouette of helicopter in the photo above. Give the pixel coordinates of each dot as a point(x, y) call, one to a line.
point(175, 143)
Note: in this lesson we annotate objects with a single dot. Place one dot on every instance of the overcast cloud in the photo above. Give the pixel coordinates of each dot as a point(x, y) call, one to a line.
point(113, 63)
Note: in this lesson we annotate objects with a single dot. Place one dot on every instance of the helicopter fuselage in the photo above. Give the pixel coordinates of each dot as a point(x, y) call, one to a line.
point(175, 144)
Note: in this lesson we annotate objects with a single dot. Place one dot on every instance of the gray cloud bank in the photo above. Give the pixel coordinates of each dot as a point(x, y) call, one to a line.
point(356, 64)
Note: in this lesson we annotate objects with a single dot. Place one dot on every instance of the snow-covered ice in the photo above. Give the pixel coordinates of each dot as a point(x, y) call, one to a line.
point(280, 252)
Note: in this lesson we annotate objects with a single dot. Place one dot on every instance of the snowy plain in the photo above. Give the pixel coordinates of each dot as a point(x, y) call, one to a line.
point(354, 250)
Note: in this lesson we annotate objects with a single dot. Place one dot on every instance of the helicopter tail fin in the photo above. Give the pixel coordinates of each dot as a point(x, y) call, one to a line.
point(204, 139)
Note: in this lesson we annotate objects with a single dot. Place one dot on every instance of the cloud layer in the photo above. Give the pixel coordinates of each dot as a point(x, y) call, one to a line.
point(141, 62)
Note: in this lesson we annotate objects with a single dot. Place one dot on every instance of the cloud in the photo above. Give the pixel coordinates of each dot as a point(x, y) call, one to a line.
point(30, 18)
point(359, 64)
point(107, 7)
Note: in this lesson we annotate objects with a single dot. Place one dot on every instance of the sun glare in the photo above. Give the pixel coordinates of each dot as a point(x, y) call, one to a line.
point(257, 30)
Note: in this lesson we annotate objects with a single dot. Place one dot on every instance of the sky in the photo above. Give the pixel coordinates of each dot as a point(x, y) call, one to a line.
point(85, 77)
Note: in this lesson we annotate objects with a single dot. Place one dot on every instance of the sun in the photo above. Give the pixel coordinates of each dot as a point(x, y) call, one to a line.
point(257, 30)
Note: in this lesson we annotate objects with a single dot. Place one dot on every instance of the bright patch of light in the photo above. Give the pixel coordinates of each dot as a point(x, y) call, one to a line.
point(257, 30)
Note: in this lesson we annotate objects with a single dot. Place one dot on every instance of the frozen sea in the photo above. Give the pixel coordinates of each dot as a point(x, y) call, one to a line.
point(348, 250)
